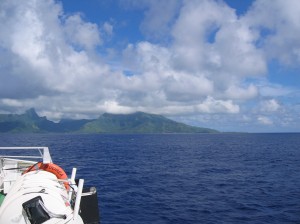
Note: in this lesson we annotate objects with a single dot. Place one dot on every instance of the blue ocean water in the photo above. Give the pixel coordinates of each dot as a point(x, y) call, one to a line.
point(183, 178)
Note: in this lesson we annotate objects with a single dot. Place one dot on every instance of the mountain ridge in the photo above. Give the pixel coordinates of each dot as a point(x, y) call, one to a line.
point(138, 122)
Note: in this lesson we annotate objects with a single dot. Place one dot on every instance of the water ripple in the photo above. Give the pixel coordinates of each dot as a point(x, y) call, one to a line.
point(220, 178)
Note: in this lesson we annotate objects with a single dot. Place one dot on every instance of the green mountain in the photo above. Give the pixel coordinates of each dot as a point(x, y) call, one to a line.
point(138, 122)
point(28, 122)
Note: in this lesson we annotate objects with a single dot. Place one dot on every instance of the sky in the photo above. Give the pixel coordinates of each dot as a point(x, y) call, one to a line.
point(230, 65)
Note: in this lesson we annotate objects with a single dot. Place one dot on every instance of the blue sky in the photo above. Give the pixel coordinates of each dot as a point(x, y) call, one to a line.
point(230, 65)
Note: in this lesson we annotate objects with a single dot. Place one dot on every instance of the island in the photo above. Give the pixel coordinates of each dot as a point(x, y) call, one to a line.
point(138, 122)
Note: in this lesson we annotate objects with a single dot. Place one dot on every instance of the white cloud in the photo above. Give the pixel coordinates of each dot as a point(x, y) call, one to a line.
point(11, 102)
point(264, 120)
point(278, 25)
point(158, 16)
point(146, 57)
point(205, 60)
point(270, 106)
point(80, 33)
point(267, 89)
point(184, 87)
point(46, 59)
point(114, 107)
point(210, 105)
point(242, 93)
point(108, 28)
point(215, 40)
point(195, 66)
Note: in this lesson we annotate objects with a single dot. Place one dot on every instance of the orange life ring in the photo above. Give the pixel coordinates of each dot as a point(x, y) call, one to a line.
point(52, 168)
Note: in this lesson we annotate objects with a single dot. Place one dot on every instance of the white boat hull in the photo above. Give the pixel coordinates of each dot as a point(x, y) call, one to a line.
point(33, 184)
point(38, 191)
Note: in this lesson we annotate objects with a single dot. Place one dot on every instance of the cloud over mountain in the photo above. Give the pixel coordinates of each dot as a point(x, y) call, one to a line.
point(197, 58)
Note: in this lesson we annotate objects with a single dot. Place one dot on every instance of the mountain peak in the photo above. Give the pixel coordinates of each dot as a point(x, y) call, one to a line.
point(138, 122)
point(32, 113)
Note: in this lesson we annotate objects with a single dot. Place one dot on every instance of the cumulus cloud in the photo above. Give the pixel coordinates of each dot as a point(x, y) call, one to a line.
point(198, 57)
point(267, 89)
point(241, 93)
point(108, 28)
point(280, 33)
point(88, 37)
point(270, 106)
point(217, 41)
point(211, 54)
point(210, 105)
point(158, 16)
point(265, 120)
point(38, 58)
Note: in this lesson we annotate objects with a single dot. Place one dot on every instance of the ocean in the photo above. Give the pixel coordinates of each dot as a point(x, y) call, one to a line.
point(183, 178)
